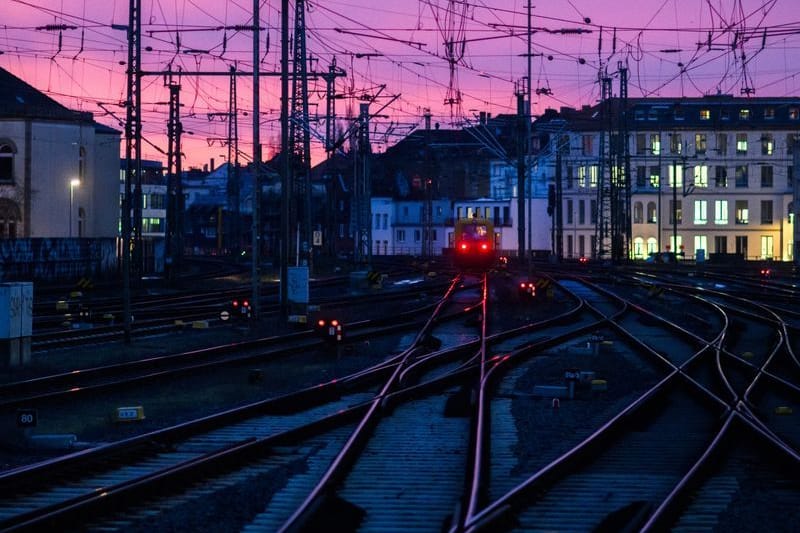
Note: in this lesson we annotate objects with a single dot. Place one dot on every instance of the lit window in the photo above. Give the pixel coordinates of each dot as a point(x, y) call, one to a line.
point(742, 212)
point(720, 212)
point(700, 211)
point(769, 113)
point(701, 176)
point(767, 144)
point(705, 114)
point(700, 143)
point(794, 113)
point(741, 144)
point(744, 114)
point(655, 143)
point(676, 175)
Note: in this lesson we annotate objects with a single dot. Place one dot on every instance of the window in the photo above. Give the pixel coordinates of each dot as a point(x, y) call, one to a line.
point(767, 144)
point(570, 176)
point(639, 114)
point(377, 221)
point(741, 245)
point(700, 243)
point(10, 219)
point(582, 176)
point(744, 114)
point(742, 213)
point(675, 144)
point(641, 176)
point(569, 211)
point(766, 247)
point(593, 211)
point(678, 113)
point(638, 213)
point(641, 144)
point(722, 143)
point(701, 176)
point(769, 113)
point(720, 212)
point(655, 143)
point(593, 176)
point(676, 246)
point(401, 235)
point(655, 177)
point(794, 113)
point(766, 176)
point(581, 245)
point(587, 144)
point(581, 211)
point(652, 245)
point(721, 244)
point(791, 139)
point(151, 225)
point(700, 211)
point(405, 211)
point(676, 175)
point(417, 235)
point(721, 177)
point(725, 114)
point(741, 176)
point(766, 211)
point(675, 212)
point(700, 143)
point(6, 163)
point(705, 114)
point(82, 163)
point(651, 213)
point(638, 247)
point(570, 246)
point(741, 144)
point(385, 221)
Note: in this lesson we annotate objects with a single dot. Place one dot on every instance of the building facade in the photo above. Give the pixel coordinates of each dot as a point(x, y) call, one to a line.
point(710, 175)
point(58, 167)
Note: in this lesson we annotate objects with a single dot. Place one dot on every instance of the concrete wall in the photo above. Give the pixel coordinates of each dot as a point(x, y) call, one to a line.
point(57, 260)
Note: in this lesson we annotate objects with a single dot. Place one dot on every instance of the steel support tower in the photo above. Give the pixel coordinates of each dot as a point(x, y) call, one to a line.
point(233, 188)
point(300, 149)
point(621, 181)
point(131, 232)
point(605, 176)
point(175, 200)
point(362, 228)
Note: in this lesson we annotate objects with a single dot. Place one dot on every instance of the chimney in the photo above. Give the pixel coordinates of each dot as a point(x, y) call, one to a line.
point(482, 119)
point(427, 115)
point(211, 165)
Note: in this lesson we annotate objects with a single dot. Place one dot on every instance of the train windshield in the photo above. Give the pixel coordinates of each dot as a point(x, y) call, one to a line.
point(474, 232)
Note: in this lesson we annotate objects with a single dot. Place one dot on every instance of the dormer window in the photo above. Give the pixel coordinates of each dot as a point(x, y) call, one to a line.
point(6, 163)
point(705, 114)
point(769, 113)
point(744, 114)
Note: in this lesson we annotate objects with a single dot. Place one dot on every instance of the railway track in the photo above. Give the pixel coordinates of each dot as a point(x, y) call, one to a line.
point(668, 428)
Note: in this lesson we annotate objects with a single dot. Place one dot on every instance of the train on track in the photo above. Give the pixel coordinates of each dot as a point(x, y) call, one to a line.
point(474, 244)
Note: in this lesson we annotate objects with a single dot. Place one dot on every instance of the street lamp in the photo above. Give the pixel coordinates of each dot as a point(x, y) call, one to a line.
point(74, 182)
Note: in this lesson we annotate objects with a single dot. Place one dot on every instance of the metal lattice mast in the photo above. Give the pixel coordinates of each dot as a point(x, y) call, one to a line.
point(622, 185)
point(233, 166)
point(605, 175)
point(299, 136)
point(131, 236)
point(174, 236)
point(361, 193)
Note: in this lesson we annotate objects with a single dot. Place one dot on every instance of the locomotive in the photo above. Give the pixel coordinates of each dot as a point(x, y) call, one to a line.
point(474, 244)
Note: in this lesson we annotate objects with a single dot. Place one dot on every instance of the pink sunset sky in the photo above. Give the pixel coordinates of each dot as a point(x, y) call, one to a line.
point(393, 54)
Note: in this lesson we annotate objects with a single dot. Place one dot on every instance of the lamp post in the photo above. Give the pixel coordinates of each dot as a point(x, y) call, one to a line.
point(74, 182)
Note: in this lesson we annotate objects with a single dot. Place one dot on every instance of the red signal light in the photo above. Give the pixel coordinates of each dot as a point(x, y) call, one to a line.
point(236, 303)
point(321, 323)
point(246, 303)
point(463, 246)
point(484, 246)
point(334, 323)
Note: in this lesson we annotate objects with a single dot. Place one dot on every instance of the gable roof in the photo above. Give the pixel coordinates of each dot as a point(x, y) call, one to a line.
point(18, 99)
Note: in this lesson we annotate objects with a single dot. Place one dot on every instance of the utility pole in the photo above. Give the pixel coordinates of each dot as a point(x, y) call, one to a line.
point(256, 223)
point(559, 210)
point(361, 194)
point(174, 236)
point(521, 177)
point(286, 174)
point(300, 150)
point(234, 188)
point(605, 200)
point(133, 158)
point(796, 201)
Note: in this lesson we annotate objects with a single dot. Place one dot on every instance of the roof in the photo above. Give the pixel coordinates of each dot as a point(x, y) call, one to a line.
point(18, 99)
